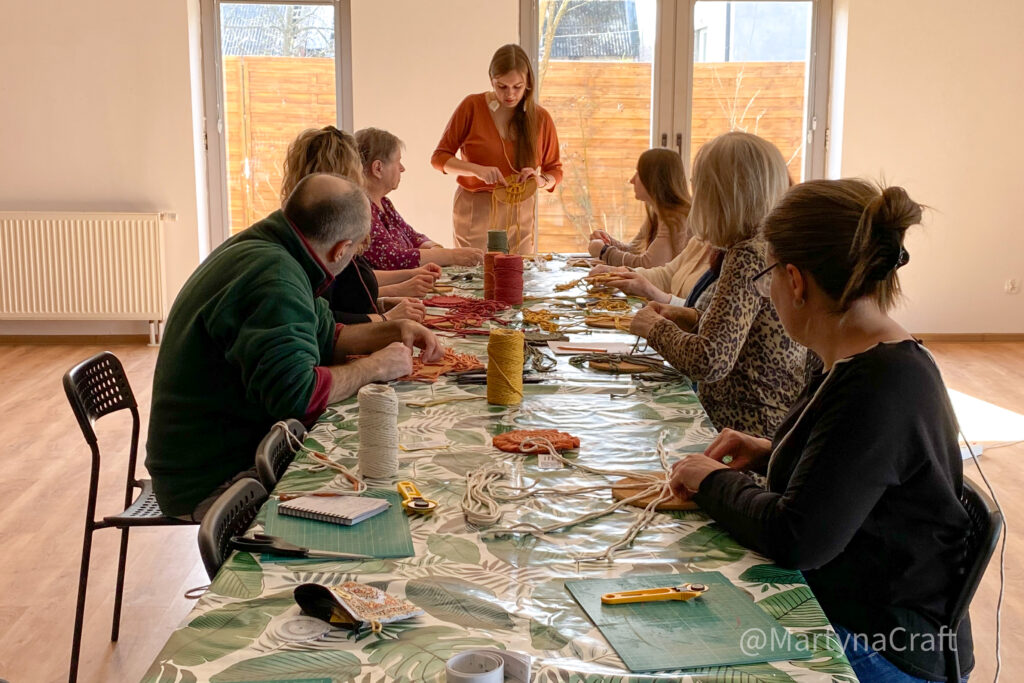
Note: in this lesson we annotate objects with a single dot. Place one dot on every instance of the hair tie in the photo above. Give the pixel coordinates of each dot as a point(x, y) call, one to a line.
point(902, 258)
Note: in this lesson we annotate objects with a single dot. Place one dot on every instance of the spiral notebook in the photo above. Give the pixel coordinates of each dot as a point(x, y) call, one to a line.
point(347, 510)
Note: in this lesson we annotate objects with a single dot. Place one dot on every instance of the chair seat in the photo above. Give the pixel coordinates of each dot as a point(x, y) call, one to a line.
point(144, 511)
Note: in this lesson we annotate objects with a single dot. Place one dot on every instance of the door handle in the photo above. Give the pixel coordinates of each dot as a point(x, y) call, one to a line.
point(664, 139)
point(679, 143)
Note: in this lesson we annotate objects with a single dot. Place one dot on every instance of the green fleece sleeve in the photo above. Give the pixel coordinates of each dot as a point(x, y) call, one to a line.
point(274, 332)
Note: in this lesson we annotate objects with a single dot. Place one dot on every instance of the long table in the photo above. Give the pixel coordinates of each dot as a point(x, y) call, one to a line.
point(508, 591)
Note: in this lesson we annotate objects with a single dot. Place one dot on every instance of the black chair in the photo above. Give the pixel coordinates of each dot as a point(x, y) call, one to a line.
point(230, 515)
point(276, 452)
point(95, 388)
point(986, 525)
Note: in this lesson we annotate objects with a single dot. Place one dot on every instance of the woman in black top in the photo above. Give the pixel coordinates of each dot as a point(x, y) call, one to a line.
point(864, 476)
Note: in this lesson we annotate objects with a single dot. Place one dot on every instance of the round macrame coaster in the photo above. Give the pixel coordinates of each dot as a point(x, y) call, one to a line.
point(624, 488)
point(620, 367)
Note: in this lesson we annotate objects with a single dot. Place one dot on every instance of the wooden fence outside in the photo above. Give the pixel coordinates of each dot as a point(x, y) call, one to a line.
point(602, 111)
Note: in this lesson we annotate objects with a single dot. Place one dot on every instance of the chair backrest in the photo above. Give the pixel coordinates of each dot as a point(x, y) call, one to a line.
point(97, 387)
point(230, 515)
point(276, 452)
point(986, 525)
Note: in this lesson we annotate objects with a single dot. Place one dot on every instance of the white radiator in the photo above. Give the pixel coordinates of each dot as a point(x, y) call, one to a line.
point(81, 266)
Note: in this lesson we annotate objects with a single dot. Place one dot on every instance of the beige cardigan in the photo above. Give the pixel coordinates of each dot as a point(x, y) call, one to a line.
point(666, 245)
point(678, 276)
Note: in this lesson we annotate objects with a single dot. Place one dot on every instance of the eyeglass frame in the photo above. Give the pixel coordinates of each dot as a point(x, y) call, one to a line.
point(761, 274)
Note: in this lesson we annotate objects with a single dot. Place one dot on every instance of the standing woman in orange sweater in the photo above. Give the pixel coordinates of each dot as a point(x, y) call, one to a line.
point(508, 144)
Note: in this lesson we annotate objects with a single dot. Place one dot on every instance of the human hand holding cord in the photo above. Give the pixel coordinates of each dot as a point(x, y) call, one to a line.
point(744, 451)
point(491, 175)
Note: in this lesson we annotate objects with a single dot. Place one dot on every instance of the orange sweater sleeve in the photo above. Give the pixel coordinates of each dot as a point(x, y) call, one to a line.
point(548, 151)
point(455, 133)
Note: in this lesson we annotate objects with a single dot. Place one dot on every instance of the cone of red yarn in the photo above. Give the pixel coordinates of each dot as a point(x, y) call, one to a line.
point(508, 279)
point(489, 273)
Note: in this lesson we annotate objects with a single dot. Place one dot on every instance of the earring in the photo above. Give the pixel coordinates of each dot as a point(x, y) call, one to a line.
point(798, 302)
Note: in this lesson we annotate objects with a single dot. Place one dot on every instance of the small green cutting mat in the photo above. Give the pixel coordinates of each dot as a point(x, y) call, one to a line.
point(383, 535)
point(723, 627)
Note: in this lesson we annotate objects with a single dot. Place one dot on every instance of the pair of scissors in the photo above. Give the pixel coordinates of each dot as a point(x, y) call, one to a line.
point(683, 592)
point(273, 545)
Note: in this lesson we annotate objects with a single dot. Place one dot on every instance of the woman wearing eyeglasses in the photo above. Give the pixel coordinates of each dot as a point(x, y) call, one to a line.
point(864, 475)
point(748, 370)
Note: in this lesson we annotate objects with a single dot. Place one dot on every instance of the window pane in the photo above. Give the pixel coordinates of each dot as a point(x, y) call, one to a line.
point(595, 77)
point(278, 72)
point(750, 73)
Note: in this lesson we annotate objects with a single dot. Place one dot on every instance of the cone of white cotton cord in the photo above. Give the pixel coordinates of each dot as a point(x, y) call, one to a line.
point(378, 431)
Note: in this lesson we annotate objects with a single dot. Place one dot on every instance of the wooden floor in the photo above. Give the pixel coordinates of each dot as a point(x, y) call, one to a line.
point(44, 490)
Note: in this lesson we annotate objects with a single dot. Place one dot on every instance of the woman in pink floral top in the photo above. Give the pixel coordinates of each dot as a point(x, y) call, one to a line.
point(394, 244)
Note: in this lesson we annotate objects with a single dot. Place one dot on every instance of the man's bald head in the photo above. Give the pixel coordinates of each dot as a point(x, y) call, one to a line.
point(328, 209)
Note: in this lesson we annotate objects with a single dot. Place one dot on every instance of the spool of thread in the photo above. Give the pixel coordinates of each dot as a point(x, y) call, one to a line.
point(508, 279)
point(378, 432)
point(489, 273)
point(505, 367)
point(497, 240)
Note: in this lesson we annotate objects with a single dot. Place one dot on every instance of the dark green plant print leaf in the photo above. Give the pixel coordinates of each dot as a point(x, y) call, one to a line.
point(165, 672)
point(460, 602)
point(225, 629)
point(454, 548)
point(771, 574)
point(335, 664)
point(794, 607)
point(708, 547)
point(748, 673)
point(241, 577)
point(420, 654)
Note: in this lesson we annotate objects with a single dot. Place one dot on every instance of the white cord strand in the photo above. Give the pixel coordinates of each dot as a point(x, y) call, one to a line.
point(324, 462)
point(484, 495)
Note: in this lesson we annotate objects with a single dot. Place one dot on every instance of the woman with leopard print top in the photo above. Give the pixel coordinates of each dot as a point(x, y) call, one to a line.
point(748, 370)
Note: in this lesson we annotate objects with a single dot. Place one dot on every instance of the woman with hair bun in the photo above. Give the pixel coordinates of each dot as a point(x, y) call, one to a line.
point(499, 133)
point(864, 476)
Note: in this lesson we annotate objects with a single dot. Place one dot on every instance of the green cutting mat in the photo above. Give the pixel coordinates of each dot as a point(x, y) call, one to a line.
point(721, 628)
point(383, 535)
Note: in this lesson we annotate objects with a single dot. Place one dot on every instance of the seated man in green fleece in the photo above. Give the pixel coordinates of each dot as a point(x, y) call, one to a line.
point(249, 342)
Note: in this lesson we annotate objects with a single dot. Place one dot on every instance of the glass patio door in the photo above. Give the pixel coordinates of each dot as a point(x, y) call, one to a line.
point(276, 72)
point(621, 76)
point(596, 77)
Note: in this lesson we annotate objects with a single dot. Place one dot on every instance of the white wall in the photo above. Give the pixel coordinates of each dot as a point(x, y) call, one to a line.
point(98, 103)
point(933, 100)
point(412, 63)
point(96, 113)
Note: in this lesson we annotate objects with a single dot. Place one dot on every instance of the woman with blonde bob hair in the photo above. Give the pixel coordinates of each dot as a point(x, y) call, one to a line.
point(864, 475)
point(660, 183)
point(731, 342)
point(499, 134)
point(359, 293)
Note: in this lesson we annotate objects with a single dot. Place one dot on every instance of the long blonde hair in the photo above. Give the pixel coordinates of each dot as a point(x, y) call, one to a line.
point(321, 150)
point(523, 126)
point(737, 179)
point(661, 172)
